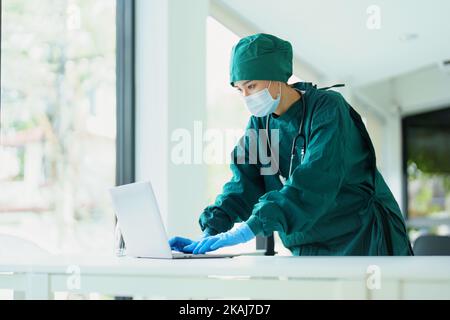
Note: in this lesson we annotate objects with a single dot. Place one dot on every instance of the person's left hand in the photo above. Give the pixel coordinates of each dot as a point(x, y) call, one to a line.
point(241, 234)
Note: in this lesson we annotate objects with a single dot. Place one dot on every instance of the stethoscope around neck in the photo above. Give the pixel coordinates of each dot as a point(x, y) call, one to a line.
point(294, 142)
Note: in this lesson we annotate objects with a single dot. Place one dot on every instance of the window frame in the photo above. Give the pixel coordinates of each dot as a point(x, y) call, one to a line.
point(125, 92)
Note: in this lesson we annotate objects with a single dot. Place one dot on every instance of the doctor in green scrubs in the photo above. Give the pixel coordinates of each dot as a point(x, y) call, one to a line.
point(325, 196)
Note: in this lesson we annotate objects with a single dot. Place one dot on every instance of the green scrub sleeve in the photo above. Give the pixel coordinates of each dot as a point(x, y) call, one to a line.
point(313, 186)
point(239, 195)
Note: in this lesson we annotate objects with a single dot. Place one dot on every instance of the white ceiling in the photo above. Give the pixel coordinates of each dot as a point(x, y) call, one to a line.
point(332, 36)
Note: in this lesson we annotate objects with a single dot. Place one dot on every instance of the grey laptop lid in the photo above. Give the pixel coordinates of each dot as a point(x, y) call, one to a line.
point(141, 224)
point(140, 221)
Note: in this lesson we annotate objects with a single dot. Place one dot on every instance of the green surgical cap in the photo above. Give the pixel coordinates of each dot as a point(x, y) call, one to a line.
point(261, 57)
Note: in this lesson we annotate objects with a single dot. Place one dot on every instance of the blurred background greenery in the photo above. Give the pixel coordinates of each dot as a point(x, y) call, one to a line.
point(58, 122)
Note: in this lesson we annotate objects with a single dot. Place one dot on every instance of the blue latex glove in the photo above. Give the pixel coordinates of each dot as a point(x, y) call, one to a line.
point(178, 243)
point(184, 244)
point(241, 234)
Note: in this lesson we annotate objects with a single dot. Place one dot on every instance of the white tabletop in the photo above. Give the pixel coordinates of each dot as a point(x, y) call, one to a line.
point(249, 266)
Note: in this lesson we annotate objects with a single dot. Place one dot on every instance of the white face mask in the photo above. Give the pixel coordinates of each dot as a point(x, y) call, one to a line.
point(261, 103)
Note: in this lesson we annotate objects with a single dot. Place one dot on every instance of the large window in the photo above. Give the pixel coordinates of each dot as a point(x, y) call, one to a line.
point(426, 164)
point(225, 112)
point(58, 122)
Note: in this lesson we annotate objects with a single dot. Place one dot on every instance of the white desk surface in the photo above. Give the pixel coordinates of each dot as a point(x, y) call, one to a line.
point(279, 277)
point(431, 268)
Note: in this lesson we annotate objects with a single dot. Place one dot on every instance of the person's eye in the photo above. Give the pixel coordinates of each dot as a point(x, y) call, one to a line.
point(251, 86)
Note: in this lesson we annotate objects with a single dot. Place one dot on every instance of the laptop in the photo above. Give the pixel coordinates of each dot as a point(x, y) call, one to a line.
point(140, 222)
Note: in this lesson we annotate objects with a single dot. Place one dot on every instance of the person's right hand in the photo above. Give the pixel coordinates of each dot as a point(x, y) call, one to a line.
point(184, 245)
point(178, 243)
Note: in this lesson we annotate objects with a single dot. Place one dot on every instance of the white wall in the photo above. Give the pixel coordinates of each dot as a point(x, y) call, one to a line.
point(423, 90)
point(170, 94)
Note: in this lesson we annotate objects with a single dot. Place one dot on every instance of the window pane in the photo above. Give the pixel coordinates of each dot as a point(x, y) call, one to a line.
point(58, 122)
point(225, 110)
point(427, 138)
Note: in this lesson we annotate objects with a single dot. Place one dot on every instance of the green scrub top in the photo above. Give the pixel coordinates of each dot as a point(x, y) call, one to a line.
point(335, 202)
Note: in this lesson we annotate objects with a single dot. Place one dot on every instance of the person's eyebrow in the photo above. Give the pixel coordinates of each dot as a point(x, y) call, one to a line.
point(244, 83)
